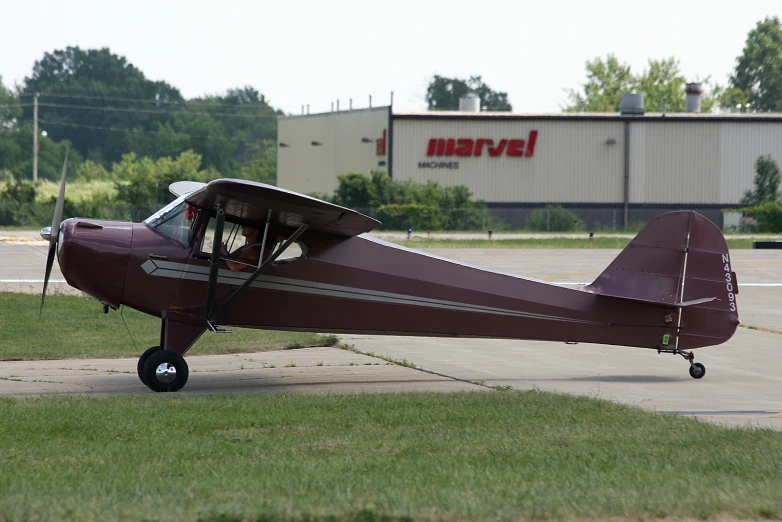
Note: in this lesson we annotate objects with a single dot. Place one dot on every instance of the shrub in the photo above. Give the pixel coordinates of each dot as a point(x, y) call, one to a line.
point(554, 219)
point(768, 215)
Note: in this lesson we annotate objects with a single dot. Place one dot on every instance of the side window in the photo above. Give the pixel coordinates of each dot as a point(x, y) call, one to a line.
point(230, 231)
point(232, 235)
point(175, 221)
point(294, 252)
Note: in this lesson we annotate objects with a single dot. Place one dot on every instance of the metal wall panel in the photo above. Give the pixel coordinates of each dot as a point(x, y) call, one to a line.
point(305, 168)
point(674, 162)
point(573, 161)
point(698, 162)
point(742, 144)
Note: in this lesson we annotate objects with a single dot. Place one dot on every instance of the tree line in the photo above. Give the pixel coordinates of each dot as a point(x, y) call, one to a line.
point(102, 107)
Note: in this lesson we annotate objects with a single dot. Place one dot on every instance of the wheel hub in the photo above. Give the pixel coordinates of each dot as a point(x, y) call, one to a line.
point(165, 373)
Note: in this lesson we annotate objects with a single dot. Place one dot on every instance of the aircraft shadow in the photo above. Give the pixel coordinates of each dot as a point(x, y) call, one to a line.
point(628, 378)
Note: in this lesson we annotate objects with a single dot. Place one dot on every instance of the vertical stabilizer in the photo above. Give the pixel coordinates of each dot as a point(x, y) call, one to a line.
point(679, 259)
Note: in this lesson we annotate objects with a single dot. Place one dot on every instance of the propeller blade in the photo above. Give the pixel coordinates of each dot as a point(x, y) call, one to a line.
point(55, 231)
point(49, 264)
point(60, 202)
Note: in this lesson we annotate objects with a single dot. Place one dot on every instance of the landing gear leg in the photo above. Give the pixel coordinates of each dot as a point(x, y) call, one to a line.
point(697, 370)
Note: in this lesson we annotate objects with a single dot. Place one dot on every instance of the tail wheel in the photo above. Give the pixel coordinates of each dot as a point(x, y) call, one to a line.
point(697, 371)
point(143, 359)
point(165, 371)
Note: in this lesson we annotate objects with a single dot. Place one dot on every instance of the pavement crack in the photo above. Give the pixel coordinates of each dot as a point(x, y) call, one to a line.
point(760, 329)
point(407, 364)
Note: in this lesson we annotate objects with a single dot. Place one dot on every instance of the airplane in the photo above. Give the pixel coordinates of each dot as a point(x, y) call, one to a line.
point(672, 289)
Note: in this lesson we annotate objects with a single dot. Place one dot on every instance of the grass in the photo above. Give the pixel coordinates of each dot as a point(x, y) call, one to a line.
point(476, 456)
point(75, 327)
point(76, 191)
point(554, 242)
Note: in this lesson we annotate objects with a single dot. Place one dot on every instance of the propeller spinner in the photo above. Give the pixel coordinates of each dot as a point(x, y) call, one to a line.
point(53, 233)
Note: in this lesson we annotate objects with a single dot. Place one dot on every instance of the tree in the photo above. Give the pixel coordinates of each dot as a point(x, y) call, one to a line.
point(758, 75)
point(144, 181)
point(767, 178)
point(73, 83)
point(400, 205)
point(662, 80)
point(608, 80)
point(10, 109)
point(443, 94)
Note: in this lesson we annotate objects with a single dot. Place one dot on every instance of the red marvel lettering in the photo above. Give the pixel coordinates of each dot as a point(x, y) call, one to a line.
point(440, 147)
point(468, 147)
point(479, 145)
point(533, 137)
point(516, 148)
point(449, 146)
point(463, 147)
point(498, 150)
point(432, 144)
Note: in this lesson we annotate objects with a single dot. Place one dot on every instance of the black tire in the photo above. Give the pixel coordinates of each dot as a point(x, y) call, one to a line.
point(143, 359)
point(697, 371)
point(173, 361)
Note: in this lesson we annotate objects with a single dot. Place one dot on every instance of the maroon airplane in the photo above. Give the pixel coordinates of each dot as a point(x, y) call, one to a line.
point(672, 289)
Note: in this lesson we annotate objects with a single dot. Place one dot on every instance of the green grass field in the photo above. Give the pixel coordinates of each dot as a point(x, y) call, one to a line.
point(467, 456)
point(77, 190)
point(75, 327)
point(553, 242)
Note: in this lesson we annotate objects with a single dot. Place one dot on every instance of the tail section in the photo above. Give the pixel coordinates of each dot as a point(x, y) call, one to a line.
point(679, 260)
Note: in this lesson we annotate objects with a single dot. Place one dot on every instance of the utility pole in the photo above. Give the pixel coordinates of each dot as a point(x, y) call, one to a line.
point(35, 140)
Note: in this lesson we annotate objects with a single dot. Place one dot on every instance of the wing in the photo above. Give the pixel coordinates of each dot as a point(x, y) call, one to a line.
point(180, 188)
point(249, 202)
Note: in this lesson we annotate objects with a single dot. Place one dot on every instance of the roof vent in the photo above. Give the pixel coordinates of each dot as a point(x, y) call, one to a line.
point(632, 103)
point(470, 104)
point(693, 101)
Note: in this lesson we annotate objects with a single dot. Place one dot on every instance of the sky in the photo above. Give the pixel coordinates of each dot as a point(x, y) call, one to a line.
point(311, 52)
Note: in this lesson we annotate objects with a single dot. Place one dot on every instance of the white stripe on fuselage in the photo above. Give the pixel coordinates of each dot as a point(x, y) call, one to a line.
point(173, 270)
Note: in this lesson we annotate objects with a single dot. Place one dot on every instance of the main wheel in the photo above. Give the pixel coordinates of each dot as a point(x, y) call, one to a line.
point(143, 359)
point(165, 371)
point(697, 371)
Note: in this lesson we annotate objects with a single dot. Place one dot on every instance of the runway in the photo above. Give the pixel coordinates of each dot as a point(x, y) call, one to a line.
point(742, 384)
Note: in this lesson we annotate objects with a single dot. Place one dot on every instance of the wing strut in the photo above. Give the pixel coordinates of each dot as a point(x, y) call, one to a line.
point(262, 267)
point(214, 262)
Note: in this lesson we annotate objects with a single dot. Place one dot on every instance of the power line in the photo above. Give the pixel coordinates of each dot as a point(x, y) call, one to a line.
point(142, 100)
point(150, 111)
point(139, 131)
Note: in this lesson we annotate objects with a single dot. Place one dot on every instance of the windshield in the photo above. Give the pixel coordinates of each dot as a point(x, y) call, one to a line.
point(175, 220)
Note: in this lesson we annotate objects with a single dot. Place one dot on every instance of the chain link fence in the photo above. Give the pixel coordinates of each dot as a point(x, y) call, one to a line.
point(551, 218)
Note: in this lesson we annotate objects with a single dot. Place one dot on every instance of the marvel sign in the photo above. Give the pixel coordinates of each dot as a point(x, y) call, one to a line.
point(468, 147)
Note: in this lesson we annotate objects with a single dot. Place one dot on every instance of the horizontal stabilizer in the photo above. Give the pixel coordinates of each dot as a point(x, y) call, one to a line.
point(684, 304)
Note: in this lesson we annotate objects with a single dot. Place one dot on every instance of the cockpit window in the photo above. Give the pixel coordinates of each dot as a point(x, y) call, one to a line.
point(175, 220)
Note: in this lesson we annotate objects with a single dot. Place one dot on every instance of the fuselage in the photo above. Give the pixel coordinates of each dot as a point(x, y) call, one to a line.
point(346, 285)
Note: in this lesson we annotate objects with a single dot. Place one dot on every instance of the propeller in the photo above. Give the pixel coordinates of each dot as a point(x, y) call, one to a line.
point(54, 231)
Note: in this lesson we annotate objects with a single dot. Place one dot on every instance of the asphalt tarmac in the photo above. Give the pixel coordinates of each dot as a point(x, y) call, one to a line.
point(742, 385)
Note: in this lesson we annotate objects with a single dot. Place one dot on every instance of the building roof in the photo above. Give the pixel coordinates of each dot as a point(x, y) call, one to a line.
point(591, 116)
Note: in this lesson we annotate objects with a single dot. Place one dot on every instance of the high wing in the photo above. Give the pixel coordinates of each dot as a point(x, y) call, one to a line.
point(180, 188)
point(250, 202)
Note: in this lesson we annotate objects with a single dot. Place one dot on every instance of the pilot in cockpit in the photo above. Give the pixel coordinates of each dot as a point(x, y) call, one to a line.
point(248, 254)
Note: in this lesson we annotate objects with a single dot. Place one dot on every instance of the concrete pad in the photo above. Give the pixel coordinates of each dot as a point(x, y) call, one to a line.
point(307, 370)
point(742, 386)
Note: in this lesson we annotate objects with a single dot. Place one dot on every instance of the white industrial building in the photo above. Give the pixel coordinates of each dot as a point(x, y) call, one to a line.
point(606, 167)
